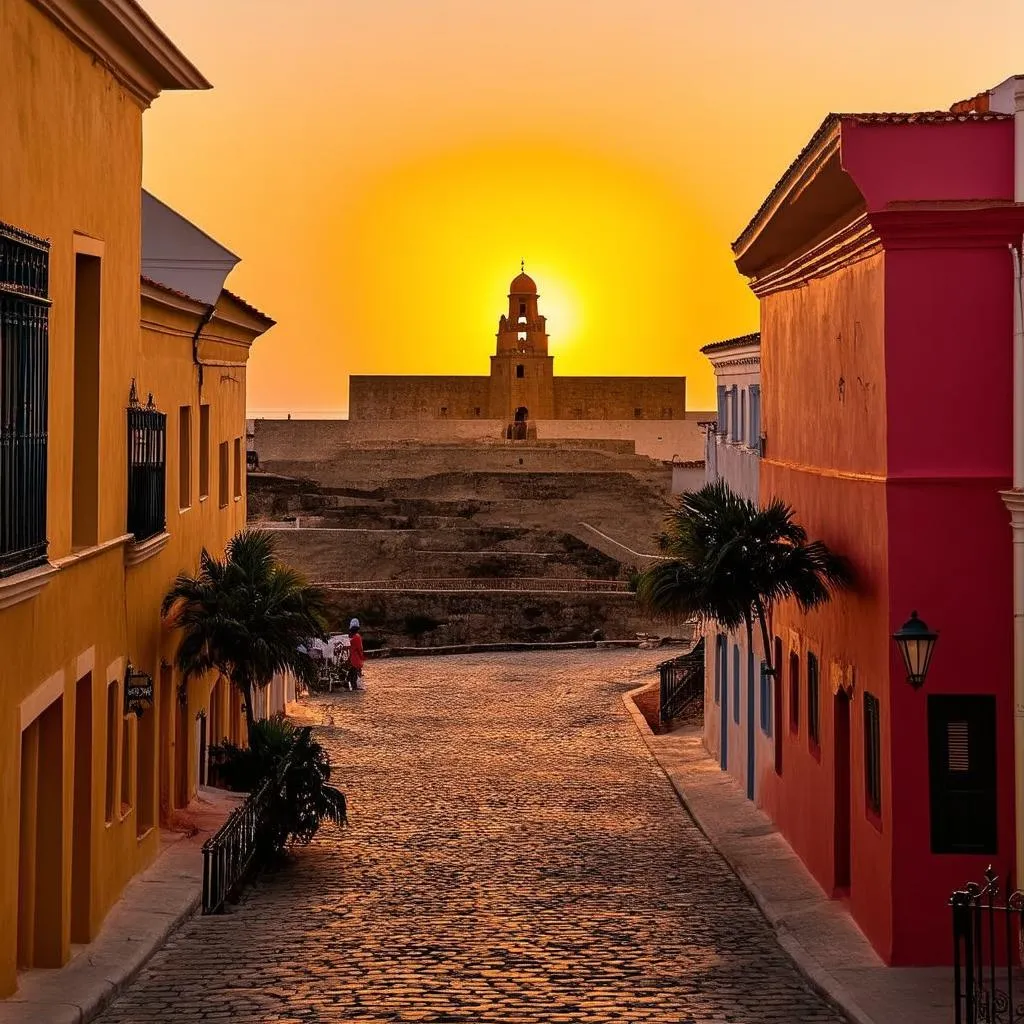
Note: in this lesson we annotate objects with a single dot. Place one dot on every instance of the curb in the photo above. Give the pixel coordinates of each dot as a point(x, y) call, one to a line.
point(806, 963)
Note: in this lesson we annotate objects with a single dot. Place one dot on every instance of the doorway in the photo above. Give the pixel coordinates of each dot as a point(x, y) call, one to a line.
point(750, 725)
point(165, 729)
point(723, 743)
point(181, 738)
point(843, 796)
point(81, 844)
point(522, 414)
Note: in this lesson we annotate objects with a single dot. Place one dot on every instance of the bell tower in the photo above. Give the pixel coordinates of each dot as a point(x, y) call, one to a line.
point(522, 373)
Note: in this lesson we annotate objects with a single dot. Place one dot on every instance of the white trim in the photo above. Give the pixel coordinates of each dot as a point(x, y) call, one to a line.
point(136, 552)
point(85, 663)
point(24, 585)
point(40, 699)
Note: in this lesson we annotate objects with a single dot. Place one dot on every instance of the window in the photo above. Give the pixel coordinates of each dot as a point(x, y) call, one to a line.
point(962, 773)
point(444, 410)
point(85, 468)
point(24, 360)
point(147, 466)
point(666, 412)
point(777, 703)
point(204, 451)
point(638, 414)
point(719, 666)
point(520, 371)
point(184, 456)
point(476, 411)
point(766, 700)
point(755, 416)
point(813, 700)
point(741, 431)
point(522, 309)
point(225, 459)
point(113, 719)
point(734, 412)
point(238, 467)
point(735, 683)
point(872, 754)
point(723, 411)
point(794, 692)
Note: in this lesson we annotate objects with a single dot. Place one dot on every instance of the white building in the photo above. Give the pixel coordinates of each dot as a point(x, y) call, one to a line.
point(737, 694)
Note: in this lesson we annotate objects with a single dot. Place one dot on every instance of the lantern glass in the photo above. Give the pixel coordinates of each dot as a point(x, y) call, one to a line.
point(916, 643)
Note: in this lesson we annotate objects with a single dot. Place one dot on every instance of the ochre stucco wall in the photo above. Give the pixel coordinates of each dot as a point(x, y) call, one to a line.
point(618, 398)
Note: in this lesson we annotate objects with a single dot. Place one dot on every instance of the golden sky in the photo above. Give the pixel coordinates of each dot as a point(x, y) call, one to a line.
point(381, 166)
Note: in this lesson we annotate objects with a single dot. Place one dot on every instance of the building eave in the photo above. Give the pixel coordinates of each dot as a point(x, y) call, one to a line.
point(731, 344)
point(123, 37)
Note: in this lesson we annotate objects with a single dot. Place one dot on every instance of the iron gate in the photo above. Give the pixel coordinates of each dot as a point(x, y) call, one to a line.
point(987, 929)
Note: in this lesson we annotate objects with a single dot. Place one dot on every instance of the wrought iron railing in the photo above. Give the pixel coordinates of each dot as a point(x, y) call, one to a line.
point(147, 471)
point(987, 986)
point(24, 368)
point(682, 684)
point(241, 843)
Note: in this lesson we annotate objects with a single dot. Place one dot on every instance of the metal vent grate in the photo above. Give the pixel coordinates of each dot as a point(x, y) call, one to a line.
point(956, 740)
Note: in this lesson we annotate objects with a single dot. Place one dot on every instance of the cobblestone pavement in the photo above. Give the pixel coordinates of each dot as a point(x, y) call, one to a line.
point(514, 855)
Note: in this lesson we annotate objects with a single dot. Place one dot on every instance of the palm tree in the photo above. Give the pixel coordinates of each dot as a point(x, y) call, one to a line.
point(730, 561)
point(245, 616)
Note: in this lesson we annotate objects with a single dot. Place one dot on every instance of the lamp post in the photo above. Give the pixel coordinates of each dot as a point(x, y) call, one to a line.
point(916, 643)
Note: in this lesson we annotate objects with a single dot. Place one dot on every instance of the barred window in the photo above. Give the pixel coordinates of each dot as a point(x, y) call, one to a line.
point(147, 470)
point(766, 700)
point(813, 703)
point(872, 753)
point(794, 692)
point(735, 683)
point(24, 368)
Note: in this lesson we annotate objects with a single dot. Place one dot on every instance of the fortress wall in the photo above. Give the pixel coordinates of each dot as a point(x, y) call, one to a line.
point(393, 396)
point(323, 440)
point(657, 439)
point(619, 398)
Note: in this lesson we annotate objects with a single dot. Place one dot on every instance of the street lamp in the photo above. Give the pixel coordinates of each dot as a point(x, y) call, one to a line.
point(916, 643)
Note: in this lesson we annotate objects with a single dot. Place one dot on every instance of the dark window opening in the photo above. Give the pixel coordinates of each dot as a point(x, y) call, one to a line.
point(813, 713)
point(794, 692)
point(735, 683)
point(24, 364)
point(476, 411)
point(777, 698)
point(522, 414)
point(873, 753)
point(962, 773)
point(520, 370)
point(638, 414)
point(522, 309)
point(147, 471)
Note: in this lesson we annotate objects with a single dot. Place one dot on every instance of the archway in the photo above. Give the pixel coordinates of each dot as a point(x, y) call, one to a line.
point(522, 414)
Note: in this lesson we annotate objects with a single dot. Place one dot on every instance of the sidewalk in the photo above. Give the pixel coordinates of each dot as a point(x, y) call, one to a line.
point(816, 931)
point(152, 906)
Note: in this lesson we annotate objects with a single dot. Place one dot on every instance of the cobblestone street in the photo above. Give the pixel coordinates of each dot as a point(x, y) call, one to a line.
point(514, 855)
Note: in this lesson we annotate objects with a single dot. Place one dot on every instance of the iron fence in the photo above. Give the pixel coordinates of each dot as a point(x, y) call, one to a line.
point(24, 372)
point(681, 688)
point(147, 472)
point(247, 837)
point(987, 927)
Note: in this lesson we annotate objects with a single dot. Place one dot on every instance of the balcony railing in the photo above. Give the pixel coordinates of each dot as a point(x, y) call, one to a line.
point(681, 689)
point(24, 362)
point(147, 471)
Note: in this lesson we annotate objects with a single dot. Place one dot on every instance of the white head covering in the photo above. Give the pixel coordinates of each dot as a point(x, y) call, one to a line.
point(354, 624)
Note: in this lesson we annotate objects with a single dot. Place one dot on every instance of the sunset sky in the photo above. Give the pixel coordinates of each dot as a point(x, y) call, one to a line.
point(381, 166)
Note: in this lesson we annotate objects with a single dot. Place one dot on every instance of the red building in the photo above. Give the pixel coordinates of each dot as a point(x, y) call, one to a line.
point(882, 266)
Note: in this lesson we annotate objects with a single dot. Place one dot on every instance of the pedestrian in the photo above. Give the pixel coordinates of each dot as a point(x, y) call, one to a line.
point(356, 659)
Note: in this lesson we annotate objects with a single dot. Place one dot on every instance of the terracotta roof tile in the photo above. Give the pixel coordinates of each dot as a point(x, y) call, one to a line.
point(743, 339)
point(891, 118)
point(249, 308)
point(169, 290)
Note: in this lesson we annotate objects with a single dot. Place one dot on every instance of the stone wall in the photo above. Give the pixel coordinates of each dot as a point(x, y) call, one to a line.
point(394, 396)
point(620, 398)
point(323, 440)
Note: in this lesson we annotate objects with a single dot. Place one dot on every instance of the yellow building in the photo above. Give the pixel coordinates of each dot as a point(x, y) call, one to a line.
point(102, 500)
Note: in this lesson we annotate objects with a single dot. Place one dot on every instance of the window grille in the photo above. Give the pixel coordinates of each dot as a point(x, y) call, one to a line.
point(147, 471)
point(24, 368)
point(872, 753)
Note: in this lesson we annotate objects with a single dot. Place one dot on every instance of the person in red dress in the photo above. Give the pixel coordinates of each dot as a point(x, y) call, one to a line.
point(356, 658)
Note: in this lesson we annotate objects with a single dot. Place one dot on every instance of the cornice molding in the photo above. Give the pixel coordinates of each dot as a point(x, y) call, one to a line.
point(981, 225)
point(25, 585)
point(851, 244)
point(128, 43)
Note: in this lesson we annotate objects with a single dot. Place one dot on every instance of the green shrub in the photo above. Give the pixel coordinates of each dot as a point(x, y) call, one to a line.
point(302, 797)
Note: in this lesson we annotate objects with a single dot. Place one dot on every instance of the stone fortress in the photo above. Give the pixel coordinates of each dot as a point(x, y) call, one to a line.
point(522, 399)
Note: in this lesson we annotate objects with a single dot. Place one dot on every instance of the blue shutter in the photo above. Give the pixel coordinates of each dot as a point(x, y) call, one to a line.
point(723, 411)
point(718, 668)
point(755, 415)
point(734, 411)
point(741, 433)
point(735, 683)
